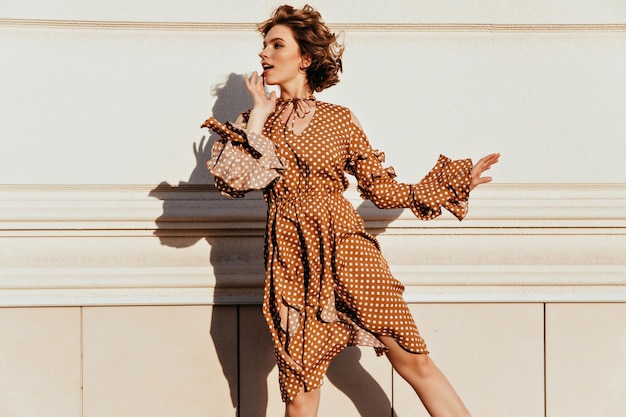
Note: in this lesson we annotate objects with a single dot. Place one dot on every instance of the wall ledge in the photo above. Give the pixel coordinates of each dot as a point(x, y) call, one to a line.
point(104, 245)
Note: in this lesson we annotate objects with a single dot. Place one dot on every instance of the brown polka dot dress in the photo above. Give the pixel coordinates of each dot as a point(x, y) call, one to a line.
point(327, 285)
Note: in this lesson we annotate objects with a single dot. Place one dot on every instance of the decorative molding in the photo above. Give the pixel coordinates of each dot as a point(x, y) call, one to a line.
point(348, 27)
point(104, 210)
point(196, 286)
point(137, 244)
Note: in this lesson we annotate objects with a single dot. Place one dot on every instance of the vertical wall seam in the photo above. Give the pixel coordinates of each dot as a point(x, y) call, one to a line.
point(238, 361)
point(82, 364)
point(392, 411)
point(545, 362)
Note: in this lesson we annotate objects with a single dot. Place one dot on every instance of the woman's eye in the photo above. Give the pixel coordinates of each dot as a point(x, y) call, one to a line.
point(277, 45)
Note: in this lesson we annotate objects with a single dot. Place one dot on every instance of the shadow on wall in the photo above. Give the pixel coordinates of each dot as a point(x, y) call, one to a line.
point(345, 372)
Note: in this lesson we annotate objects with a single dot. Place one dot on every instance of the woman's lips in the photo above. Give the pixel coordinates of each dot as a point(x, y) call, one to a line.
point(266, 68)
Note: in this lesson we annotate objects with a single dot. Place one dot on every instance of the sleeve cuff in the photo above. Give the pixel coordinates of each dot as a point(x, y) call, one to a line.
point(446, 185)
point(243, 161)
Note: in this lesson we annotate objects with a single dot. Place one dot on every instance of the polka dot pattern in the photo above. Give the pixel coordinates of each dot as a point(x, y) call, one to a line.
point(241, 161)
point(327, 284)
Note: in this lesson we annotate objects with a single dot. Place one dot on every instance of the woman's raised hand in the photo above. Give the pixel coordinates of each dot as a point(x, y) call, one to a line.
point(262, 105)
point(481, 166)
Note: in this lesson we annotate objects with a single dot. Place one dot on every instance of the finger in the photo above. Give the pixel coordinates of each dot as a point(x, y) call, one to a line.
point(248, 82)
point(481, 180)
point(486, 162)
point(251, 80)
point(488, 165)
point(254, 81)
point(490, 159)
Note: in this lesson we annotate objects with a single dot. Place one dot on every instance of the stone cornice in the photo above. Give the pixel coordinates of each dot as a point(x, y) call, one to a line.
point(137, 244)
point(46, 209)
point(348, 27)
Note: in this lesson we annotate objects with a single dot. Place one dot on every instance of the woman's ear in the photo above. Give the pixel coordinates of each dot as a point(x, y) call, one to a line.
point(305, 61)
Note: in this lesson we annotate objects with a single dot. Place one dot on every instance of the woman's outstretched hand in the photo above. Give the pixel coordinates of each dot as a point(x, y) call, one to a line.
point(262, 105)
point(481, 166)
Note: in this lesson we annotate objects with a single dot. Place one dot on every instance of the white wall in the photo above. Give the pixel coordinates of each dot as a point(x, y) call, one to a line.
point(89, 103)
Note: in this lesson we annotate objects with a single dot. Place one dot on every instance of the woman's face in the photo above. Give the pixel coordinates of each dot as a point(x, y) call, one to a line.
point(281, 59)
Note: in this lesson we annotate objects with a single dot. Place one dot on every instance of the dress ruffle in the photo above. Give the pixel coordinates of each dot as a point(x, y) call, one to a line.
point(241, 161)
point(446, 185)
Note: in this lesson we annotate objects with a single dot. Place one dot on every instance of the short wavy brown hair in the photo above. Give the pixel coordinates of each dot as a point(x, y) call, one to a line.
point(315, 39)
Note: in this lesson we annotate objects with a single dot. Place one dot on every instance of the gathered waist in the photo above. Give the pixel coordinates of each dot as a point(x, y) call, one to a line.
point(311, 195)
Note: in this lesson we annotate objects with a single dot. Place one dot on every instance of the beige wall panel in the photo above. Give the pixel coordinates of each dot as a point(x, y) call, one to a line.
point(585, 360)
point(260, 395)
point(358, 383)
point(491, 353)
point(40, 362)
point(160, 361)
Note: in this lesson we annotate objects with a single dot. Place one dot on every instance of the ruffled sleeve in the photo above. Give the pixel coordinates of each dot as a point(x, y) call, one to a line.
point(241, 161)
point(446, 185)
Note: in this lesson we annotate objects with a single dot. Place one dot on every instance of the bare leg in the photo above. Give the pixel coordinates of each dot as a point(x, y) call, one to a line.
point(427, 380)
point(305, 404)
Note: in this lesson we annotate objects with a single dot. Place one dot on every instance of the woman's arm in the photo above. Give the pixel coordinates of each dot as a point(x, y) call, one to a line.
point(447, 185)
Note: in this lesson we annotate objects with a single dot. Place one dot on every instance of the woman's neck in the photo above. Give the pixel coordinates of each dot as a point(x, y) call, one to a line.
point(300, 91)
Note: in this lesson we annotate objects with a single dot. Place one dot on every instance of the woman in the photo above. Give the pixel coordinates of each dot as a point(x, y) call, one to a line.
point(327, 285)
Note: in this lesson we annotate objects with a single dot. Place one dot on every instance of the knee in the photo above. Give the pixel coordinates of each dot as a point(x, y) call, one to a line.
point(418, 365)
point(424, 365)
point(304, 404)
point(296, 409)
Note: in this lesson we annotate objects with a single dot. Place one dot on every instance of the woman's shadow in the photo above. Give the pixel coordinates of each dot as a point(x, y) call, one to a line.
point(345, 372)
